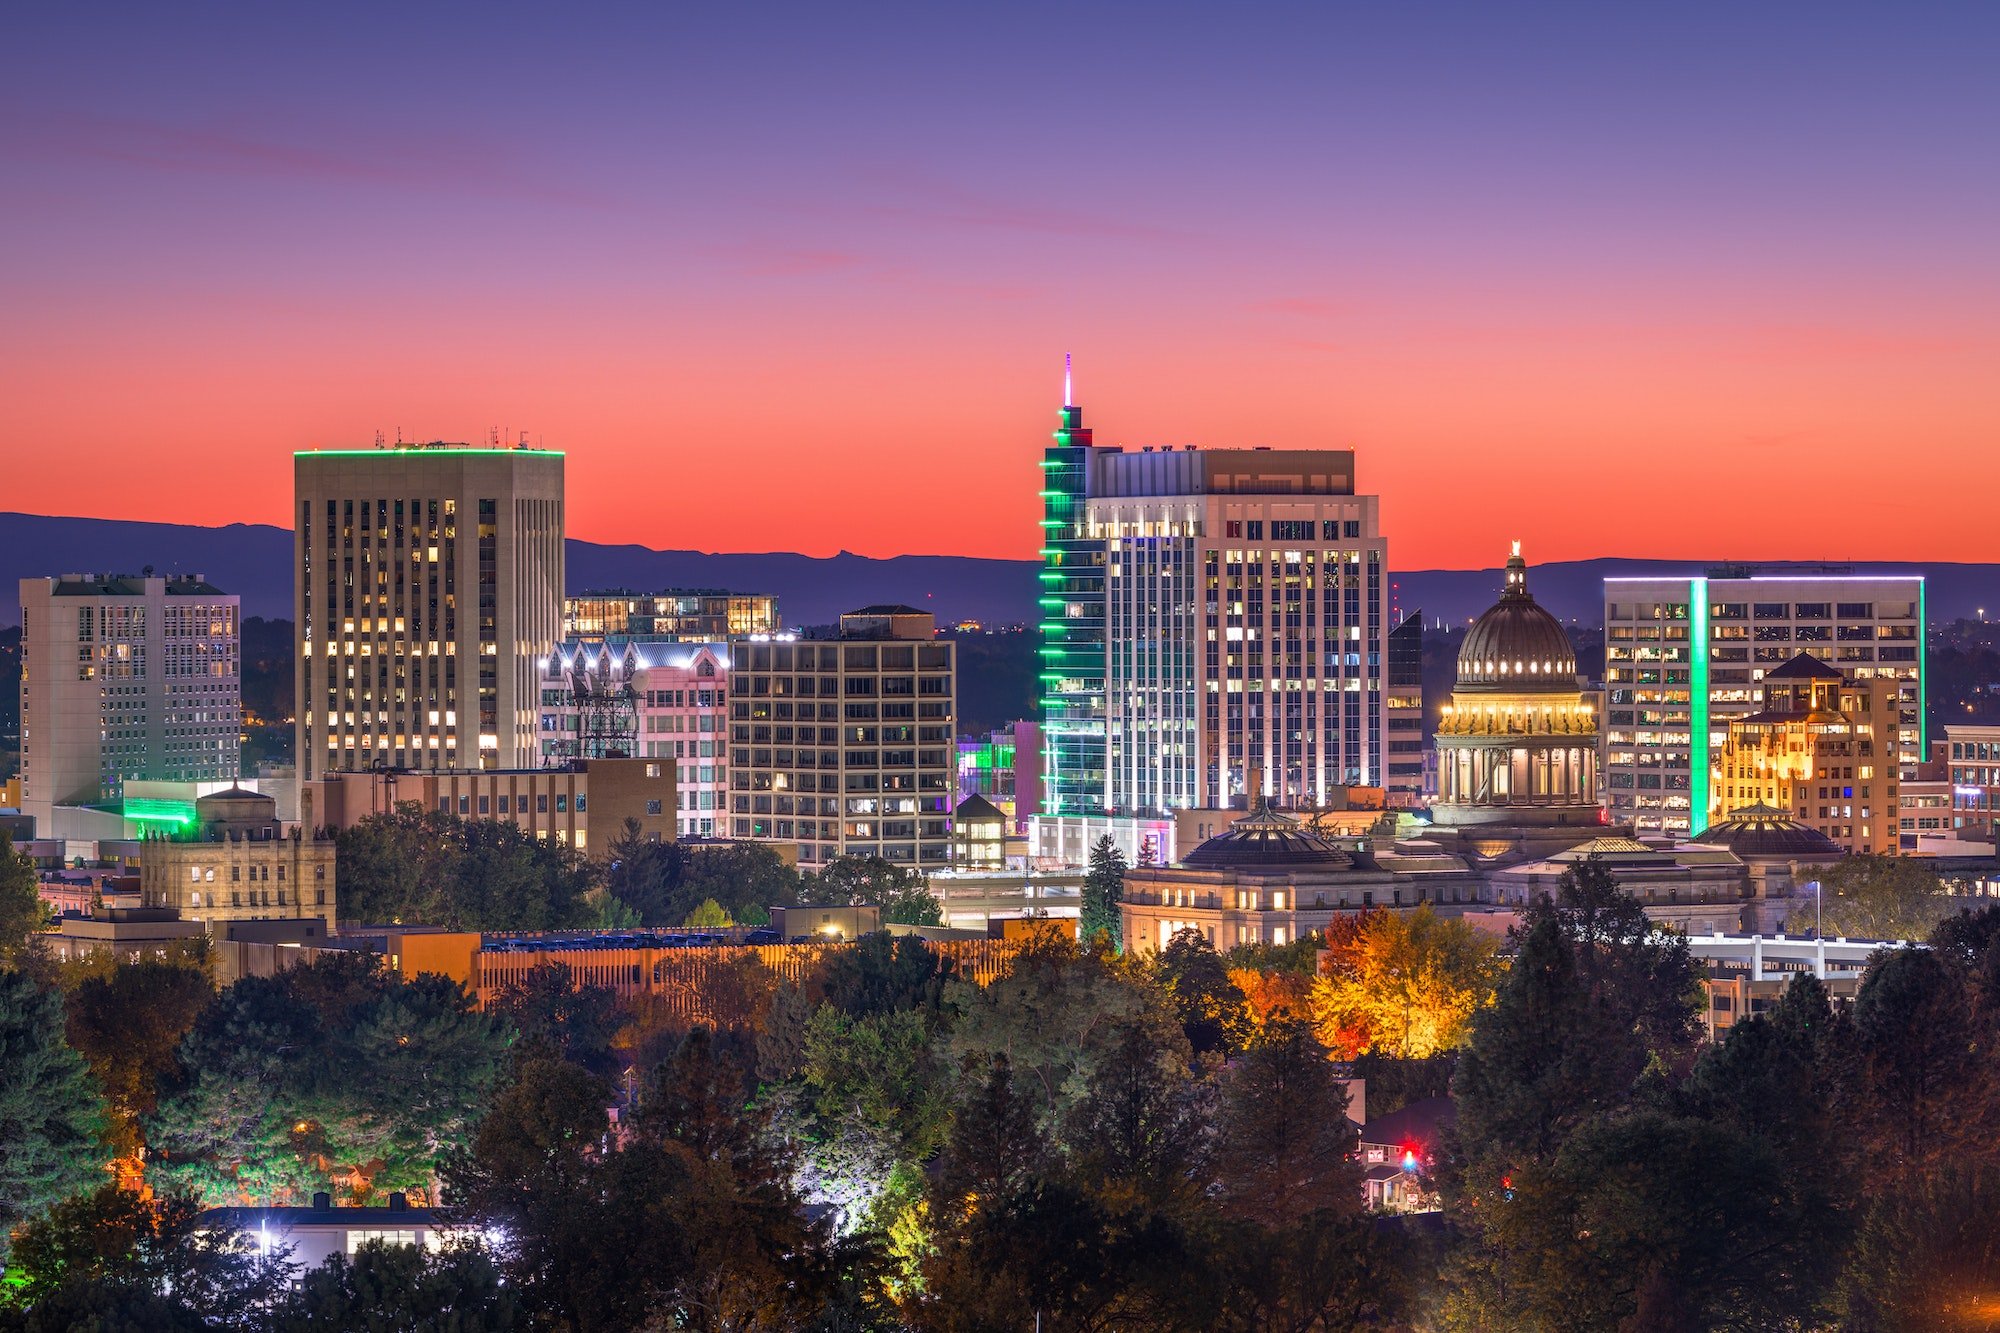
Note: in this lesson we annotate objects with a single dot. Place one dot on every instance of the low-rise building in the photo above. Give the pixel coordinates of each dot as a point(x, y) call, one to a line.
point(1973, 754)
point(564, 803)
point(235, 862)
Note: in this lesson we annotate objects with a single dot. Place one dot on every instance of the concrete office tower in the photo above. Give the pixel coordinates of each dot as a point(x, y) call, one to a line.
point(1683, 656)
point(846, 746)
point(126, 677)
point(428, 581)
point(1246, 626)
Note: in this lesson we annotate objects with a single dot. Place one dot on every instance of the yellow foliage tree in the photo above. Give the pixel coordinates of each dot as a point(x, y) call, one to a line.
point(1404, 984)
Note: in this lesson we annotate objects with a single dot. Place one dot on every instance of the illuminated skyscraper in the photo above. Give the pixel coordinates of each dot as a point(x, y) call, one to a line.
point(1072, 625)
point(428, 581)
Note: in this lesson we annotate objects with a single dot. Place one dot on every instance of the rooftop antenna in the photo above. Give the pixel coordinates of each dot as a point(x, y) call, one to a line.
point(399, 435)
point(1069, 399)
point(378, 439)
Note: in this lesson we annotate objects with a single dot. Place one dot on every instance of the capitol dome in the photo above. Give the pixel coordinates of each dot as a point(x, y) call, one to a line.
point(1264, 838)
point(1517, 646)
point(1760, 830)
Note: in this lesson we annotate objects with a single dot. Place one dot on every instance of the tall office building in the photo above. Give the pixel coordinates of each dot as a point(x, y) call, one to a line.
point(1246, 626)
point(1072, 625)
point(1403, 697)
point(126, 677)
point(428, 581)
point(846, 746)
point(1683, 656)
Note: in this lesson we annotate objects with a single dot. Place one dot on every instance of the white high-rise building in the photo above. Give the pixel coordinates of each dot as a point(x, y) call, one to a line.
point(429, 586)
point(126, 678)
point(1682, 656)
point(1246, 626)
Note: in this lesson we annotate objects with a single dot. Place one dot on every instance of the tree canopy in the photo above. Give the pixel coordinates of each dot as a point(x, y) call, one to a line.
point(418, 866)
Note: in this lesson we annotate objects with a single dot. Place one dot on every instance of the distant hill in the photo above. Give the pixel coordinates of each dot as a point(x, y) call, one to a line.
point(255, 561)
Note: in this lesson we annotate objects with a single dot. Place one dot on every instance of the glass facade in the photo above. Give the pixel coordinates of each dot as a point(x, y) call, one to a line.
point(1071, 603)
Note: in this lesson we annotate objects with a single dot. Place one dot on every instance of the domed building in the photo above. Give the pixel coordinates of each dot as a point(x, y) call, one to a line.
point(1517, 743)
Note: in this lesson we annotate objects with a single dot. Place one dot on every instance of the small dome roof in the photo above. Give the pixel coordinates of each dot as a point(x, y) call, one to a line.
point(1517, 646)
point(1265, 838)
point(1762, 830)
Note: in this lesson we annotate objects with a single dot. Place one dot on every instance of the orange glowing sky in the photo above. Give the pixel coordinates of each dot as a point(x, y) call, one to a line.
point(1692, 285)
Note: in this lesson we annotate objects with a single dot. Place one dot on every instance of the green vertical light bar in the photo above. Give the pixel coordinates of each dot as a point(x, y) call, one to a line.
point(1699, 743)
point(1923, 670)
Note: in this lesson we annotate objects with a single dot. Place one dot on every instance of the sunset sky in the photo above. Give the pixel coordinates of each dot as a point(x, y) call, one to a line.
point(1617, 279)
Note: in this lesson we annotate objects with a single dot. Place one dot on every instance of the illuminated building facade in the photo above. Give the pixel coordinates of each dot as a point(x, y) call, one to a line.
point(847, 745)
point(1517, 744)
point(1973, 756)
point(1246, 627)
point(1685, 655)
point(1823, 748)
point(1071, 605)
point(428, 582)
point(126, 678)
point(678, 701)
point(235, 862)
point(698, 615)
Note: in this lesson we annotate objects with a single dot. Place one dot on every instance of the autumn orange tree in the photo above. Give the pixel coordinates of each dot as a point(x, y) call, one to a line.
point(1402, 984)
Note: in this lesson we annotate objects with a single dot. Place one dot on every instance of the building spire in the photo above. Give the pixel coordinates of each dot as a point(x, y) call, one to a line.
point(1069, 399)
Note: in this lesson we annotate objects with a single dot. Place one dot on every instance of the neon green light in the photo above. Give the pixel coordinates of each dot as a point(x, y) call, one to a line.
point(1699, 741)
point(152, 810)
point(1923, 671)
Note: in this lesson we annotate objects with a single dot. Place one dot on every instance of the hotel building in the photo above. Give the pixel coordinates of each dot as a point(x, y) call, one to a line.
point(126, 678)
point(1822, 748)
point(1684, 655)
point(846, 746)
point(428, 581)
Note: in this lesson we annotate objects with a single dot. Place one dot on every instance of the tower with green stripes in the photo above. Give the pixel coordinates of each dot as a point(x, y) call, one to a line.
point(1071, 619)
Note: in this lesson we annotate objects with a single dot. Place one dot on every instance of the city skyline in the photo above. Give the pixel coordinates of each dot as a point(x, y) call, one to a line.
point(1533, 266)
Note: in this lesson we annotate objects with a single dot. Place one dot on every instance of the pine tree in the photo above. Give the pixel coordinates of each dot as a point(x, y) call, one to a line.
point(51, 1117)
point(1103, 890)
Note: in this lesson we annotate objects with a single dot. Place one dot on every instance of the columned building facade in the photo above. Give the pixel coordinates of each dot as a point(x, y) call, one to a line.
point(1517, 744)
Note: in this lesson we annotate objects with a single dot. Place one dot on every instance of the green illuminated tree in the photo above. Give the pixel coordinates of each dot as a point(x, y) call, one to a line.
point(1103, 890)
point(51, 1118)
point(156, 1263)
point(708, 915)
point(22, 911)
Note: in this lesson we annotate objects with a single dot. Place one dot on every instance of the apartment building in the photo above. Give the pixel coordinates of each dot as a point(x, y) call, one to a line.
point(126, 678)
point(846, 745)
